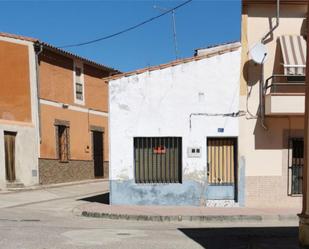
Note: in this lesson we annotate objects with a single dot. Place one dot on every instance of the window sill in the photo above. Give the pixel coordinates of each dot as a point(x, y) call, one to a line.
point(295, 195)
point(79, 102)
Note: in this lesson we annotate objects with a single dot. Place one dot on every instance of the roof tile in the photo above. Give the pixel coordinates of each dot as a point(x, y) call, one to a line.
point(66, 53)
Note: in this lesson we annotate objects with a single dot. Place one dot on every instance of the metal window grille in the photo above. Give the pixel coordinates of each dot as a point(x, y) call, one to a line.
point(63, 143)
point(158, 159)
point(221, 160)
point(78, 84)
point(296, 162)
point(79, 91)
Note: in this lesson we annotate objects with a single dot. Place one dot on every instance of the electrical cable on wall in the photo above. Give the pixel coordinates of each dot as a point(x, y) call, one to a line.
point(127, 29)
point(232, 115)
point(251, 116)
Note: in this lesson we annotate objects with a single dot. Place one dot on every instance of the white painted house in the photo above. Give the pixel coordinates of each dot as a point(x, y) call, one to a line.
point(173, 132)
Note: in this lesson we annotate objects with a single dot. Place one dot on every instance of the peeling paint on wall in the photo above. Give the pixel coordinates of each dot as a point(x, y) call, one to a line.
point(159, 103)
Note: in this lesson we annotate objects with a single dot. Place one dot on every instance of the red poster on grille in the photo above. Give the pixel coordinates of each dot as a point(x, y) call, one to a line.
point(159, 150)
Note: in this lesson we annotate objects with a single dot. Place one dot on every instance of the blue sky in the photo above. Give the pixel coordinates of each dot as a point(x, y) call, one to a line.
point(198, 24)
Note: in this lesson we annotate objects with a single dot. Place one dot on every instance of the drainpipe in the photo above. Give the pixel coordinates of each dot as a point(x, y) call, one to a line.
point(276, 25)
point(38, 49)
point(262, 97)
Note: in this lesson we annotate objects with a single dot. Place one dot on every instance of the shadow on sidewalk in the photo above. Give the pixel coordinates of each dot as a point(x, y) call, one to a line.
point(102, 198)
point(245, 237)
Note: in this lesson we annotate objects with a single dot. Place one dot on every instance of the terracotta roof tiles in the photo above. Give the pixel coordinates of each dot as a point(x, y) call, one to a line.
point(212, 53)
point(66, 53)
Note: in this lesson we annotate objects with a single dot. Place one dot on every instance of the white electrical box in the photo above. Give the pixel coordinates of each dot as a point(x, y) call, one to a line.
point(194, 152)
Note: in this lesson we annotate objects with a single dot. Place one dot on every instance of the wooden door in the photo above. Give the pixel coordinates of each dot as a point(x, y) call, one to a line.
point(9, 148)
point(97, 138)
point(222, 161)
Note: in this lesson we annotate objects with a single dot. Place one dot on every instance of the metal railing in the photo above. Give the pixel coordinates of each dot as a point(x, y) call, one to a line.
point(295, 167)
point(158, 159)
point(270, 84)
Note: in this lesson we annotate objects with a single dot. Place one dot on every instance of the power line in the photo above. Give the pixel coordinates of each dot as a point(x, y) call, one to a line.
point(127, 29)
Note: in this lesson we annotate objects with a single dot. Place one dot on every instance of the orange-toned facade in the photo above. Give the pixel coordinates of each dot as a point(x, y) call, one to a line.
point(56, 88)
point(15, 104)
point(48, 98)
point(56, 84)
point(80, 124)
point(18, 118)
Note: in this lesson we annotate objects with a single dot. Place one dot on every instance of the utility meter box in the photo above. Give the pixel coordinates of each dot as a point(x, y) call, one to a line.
point(194, 152)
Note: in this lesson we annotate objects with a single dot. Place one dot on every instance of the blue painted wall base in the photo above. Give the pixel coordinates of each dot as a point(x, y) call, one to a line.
point(189, 193)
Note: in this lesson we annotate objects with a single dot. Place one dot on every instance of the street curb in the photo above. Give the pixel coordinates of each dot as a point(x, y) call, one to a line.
point(50, 186)
point(203, 218)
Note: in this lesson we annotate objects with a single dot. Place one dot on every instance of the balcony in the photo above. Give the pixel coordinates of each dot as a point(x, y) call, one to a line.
point(284, 95)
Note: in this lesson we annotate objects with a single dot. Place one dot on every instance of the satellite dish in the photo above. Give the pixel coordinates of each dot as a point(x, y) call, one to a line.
point(258, 53)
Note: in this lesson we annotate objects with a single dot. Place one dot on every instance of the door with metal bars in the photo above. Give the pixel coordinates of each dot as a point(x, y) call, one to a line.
point(222, 166)
point(296, 163)
point(158, 159)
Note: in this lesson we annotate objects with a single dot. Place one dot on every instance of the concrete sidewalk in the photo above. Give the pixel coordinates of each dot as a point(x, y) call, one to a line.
point(201, 214)
point(52, 193)
point(48, 186)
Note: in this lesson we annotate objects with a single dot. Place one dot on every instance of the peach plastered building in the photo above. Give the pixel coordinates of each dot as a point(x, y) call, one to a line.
point(272, 94)
point(53, 114)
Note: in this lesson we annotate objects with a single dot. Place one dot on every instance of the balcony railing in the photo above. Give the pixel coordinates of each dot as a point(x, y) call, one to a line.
point(284, 95)
point(288, 85)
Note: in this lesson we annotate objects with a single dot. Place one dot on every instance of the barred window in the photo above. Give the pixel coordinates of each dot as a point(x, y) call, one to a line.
point(79, 83)
point(296, 163)
point(79, 91)
point(63, 142)
point(158, 159)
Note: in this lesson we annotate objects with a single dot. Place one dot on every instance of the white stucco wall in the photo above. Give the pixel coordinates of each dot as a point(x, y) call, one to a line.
point(159, 103)
point(26, 154)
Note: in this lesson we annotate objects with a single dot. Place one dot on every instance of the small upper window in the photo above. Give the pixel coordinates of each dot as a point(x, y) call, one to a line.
point(78, 84)
point(78, 71)
point(79, 91)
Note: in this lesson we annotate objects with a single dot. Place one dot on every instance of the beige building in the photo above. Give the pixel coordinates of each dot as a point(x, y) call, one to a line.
point(272, 94)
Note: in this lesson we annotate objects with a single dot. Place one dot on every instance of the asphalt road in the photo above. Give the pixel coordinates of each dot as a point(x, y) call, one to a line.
point(45, 219)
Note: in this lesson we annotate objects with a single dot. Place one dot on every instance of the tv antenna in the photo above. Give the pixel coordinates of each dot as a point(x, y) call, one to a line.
point(174, 28)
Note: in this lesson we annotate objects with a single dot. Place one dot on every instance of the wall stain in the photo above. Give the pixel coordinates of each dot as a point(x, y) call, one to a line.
point(124, 107)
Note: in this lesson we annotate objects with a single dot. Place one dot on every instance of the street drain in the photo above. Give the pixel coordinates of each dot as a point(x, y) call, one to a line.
point(123, 234)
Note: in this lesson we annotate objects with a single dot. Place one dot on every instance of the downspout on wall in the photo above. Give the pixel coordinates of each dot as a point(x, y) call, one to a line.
point(263, 40)
point(262, 97)
point(276, 25)
point(38, 49)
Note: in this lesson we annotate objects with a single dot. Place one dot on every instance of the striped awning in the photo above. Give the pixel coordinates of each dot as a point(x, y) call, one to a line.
point(294, 49)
